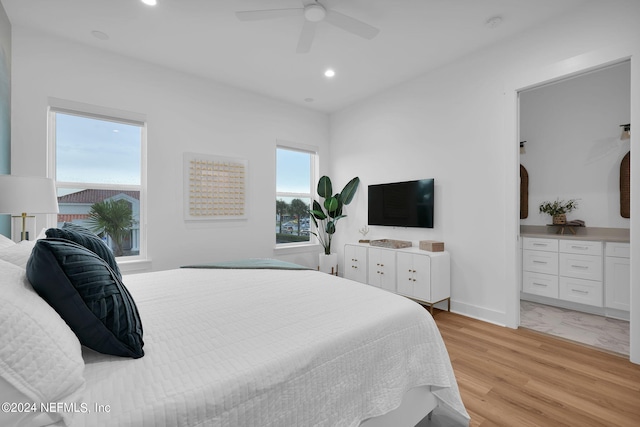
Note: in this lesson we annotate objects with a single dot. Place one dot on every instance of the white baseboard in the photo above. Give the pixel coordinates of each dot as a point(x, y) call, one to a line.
point(480, 313)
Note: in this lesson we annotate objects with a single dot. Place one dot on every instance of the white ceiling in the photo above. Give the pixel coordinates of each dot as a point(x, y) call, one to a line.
point(205, 38)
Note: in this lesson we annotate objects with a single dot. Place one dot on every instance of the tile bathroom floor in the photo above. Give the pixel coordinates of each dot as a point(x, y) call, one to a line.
point(596, 331)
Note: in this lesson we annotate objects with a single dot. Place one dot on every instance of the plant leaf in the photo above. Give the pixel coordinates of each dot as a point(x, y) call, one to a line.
point(331, 204)
point(331, 227)
point(324, 187)
point(317, 211)
point(349, 190)
point(313, 218)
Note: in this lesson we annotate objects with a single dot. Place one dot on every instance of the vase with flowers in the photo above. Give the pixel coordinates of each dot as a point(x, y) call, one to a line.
point(558, 209)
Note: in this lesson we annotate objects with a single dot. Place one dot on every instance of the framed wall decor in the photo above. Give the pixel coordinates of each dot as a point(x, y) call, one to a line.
point(215, 187)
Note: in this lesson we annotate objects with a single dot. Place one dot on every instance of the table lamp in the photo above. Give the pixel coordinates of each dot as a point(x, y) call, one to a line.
point(27, 194)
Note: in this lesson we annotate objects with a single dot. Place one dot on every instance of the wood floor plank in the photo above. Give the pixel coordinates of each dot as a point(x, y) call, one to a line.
point(516, 377)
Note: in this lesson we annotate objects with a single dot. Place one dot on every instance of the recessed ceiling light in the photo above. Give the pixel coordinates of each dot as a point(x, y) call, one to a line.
point(493, 22)
point(149, 2)
point(100, 35)
point(329, 73)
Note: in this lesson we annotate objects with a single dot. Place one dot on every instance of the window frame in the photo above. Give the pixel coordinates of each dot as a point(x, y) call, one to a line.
point(130, 262)
point(312, 243)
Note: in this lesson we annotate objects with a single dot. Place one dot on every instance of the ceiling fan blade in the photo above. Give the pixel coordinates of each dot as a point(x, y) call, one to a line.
point(351, 25)
point(306, 37)
point(257, 15)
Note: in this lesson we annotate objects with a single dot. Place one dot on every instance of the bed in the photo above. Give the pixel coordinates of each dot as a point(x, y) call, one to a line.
point(268, 347)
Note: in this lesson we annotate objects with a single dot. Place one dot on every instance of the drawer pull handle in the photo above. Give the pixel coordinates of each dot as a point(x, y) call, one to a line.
point(539, 262)
point(579, 291)
point(581, 267)
point(582, 248)
point(540, 244)
point(540, 284)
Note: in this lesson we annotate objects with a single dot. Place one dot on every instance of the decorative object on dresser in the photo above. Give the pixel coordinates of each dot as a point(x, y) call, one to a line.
point(390, 243)
point(364, 231)
point(431, 245)
point(558, 209)
point(326, 215)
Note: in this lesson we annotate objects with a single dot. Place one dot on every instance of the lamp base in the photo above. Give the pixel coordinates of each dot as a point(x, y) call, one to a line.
point(21, 227)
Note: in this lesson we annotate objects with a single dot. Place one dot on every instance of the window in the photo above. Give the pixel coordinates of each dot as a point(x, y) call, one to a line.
point(295, 175)
point(97, 162)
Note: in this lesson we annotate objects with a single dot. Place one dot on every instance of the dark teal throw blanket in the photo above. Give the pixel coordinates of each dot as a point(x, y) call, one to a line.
point(252, 263)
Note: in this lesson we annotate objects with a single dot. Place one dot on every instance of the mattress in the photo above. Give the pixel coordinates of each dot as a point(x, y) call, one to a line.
point(266, 348)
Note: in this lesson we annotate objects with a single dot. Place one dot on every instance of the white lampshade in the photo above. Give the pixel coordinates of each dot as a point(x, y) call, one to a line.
point(27, 194)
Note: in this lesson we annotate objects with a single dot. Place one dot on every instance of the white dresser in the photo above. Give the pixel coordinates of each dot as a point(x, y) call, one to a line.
point(420, 275)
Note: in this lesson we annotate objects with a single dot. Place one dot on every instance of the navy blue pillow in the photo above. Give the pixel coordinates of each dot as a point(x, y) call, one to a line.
point(85, 237)
point(88, 295)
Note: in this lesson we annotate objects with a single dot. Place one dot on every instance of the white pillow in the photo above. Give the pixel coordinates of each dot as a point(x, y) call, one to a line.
point(40, 357)
point(18, 253)
point(5, 242)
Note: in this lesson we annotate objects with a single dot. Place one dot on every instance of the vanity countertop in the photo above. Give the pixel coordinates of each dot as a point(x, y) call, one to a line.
point(582, 233)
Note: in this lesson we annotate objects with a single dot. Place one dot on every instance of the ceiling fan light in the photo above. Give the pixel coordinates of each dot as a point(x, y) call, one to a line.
point(314, 13)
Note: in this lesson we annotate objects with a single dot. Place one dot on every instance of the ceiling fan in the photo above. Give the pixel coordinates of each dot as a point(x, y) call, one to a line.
point(313, 13)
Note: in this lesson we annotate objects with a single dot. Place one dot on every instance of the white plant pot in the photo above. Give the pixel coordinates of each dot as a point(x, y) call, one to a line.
point(328, 263)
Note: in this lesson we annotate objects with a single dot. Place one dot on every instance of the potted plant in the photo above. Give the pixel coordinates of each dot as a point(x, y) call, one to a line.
point(325, 215)
point(558, 209)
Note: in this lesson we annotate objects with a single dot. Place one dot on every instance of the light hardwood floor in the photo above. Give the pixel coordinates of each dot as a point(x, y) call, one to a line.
point(520, 378)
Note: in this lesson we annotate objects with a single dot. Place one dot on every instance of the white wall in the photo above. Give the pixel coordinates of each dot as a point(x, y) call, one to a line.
point(458, 124)
point(184, 114)
point(5, 107)
point(573, 148)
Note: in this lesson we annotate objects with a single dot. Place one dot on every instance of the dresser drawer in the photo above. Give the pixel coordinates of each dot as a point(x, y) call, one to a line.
point(540, 262)
point(620, 250)
point(540, 284)
point(582, 247)
point(581, 266)
point(581, 291)
point(549, 245)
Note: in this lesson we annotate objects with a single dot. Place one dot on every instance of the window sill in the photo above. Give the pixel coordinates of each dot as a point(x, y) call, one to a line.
point(285, 249)
point(134, 266)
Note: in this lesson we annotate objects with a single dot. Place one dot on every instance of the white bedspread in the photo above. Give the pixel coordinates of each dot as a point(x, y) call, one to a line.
point(266, 348)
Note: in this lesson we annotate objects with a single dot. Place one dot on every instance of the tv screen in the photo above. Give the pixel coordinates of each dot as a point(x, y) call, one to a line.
point(402, 204)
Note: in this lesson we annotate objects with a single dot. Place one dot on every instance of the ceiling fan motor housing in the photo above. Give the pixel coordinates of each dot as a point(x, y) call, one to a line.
point(314, 12)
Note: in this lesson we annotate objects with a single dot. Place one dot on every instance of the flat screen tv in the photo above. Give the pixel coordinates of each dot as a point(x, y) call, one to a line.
point(402, 204)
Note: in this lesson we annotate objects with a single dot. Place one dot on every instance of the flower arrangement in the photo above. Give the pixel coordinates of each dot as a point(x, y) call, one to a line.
point(558, 207)
point(558, 210)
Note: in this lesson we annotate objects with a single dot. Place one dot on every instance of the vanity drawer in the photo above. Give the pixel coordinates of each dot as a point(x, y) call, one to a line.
point(581, 291)
point(540, 262)
point(620, 250)
point(582, 247)
point(549, 245)
point(540, 284)
point(581, 266)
